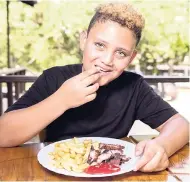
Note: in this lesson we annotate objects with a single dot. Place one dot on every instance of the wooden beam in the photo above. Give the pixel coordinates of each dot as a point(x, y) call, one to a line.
point(166, 79)
point(149, 79)
point(17, 78)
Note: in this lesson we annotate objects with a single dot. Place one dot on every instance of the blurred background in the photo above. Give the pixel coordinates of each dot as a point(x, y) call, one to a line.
point(36, 35)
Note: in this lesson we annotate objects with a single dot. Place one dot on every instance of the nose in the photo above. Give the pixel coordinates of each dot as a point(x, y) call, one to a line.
point(108, 59)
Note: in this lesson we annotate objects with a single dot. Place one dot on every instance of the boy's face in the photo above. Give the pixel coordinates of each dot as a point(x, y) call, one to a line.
point(108, 47)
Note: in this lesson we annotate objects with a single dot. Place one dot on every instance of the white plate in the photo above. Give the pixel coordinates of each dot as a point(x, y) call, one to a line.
point(45, 160)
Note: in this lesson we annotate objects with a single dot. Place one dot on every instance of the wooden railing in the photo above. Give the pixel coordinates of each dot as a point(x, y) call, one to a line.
point(13, 71)
point(18, 80)
point(19, 87)
point(166, 79)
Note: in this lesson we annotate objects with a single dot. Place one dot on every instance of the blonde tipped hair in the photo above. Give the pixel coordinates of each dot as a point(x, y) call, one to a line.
point(124, 14)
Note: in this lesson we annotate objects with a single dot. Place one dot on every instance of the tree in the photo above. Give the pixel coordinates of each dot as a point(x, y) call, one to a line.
point(47, 34)
point(165, 39)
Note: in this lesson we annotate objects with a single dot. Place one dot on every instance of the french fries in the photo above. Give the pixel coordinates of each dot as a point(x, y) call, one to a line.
point(72, 155)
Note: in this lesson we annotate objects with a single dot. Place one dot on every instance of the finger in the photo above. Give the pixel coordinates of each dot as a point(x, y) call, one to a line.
point(147, 156)
point(87, 73)
point(90, 97)
point(160, 168)
point(164, 166)
point(90, 79)
point(91, 89)
point(164, 163)
point(153, 164)
point(140, 147)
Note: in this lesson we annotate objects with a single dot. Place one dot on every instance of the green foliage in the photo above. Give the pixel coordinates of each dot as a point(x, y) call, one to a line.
point(165, 39)
point(48, 33)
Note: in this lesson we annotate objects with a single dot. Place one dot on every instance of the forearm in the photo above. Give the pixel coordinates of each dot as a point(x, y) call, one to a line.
point(18, 126)
point(174, 134)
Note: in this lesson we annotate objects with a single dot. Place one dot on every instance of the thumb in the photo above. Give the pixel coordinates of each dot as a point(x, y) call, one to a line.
point(139, 149)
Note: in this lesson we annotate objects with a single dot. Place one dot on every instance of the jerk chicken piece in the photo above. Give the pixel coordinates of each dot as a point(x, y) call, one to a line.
point(115, 162)
point(109, 153)
point(106, 155)
point(93, 156)
point(124, 158)
point(111, 146)
point(115, 159)
point(117, 152)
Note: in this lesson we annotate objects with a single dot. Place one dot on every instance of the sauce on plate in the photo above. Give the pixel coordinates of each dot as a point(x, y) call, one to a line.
point(103, 168)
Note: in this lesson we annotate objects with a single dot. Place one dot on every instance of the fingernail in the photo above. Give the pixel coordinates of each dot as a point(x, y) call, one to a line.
point(135, 169)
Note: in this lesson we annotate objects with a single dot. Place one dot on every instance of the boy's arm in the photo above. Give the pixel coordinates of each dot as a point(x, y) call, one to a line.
point(174, 134)
point(16, 127)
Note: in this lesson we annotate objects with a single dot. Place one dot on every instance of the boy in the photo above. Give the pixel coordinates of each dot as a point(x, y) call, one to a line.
point(99, 98)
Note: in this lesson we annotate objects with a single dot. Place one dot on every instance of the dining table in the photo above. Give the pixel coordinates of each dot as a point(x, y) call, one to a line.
point(20, 164)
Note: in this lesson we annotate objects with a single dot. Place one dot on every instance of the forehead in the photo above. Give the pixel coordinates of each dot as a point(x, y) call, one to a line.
point(113, 33)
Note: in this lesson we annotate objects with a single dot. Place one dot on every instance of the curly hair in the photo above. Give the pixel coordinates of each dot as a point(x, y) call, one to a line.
point(122, 13)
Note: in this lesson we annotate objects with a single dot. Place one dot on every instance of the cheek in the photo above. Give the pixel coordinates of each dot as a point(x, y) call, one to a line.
point(121, 65)
point(90, 53)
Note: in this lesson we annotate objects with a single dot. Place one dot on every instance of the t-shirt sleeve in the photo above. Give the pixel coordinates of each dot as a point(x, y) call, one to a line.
point(150, 107)
point(36, 93)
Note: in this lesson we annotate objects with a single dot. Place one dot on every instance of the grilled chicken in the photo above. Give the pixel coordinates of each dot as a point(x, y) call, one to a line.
point(111, 146)
point(104, 156)
point(109, 153)
point(93, 156)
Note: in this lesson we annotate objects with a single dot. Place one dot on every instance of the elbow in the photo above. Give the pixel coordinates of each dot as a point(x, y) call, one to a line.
point(9, 142)
point(8, 137)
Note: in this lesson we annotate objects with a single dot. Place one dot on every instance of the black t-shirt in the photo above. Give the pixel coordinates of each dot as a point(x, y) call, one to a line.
point(111, 114)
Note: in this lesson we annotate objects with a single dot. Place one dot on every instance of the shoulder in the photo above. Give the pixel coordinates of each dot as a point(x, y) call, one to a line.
point(56, 76)
point(130, 78)
point(132, 75)
point(127, 81)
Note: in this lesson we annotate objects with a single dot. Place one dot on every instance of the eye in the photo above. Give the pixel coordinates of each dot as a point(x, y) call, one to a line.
point(99, 45)
point(121, 54)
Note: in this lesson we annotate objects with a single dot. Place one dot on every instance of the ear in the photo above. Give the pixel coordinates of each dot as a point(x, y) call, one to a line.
point(83, 37)
point(133, 56)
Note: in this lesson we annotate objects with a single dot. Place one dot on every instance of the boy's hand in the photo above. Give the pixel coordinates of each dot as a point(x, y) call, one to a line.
point(80, 89)
point(153, 156)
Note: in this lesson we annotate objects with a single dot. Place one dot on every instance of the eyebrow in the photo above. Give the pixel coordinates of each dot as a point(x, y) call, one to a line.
point(118, 48)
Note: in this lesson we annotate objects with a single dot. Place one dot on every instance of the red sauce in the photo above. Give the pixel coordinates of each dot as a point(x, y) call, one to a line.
point(103, 168)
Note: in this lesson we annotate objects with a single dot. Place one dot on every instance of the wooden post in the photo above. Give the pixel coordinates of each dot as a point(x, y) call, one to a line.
point(1, 100)
point(8, 38)
point(23, 84)
point(10, 93)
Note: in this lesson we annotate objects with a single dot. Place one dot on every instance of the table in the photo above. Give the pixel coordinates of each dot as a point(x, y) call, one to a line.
point(20, 163)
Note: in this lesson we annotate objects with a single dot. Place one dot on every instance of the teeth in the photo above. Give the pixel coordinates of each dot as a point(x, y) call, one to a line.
point(101, 70)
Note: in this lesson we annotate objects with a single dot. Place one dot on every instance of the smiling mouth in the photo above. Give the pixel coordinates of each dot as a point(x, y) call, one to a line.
point(101, 70)
point(105, 71)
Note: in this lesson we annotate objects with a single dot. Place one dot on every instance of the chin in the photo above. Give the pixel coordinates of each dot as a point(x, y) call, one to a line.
point(103, 82)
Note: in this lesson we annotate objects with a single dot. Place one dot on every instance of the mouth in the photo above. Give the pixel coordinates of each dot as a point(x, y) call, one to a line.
point(103, 71)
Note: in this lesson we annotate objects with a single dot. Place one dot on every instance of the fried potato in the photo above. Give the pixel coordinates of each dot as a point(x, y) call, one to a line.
point(76, 169)
point(86, 142)
point(96, 145)
point(83, 166)
point(76, 140)
point(85, 157)
point(72, 155)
